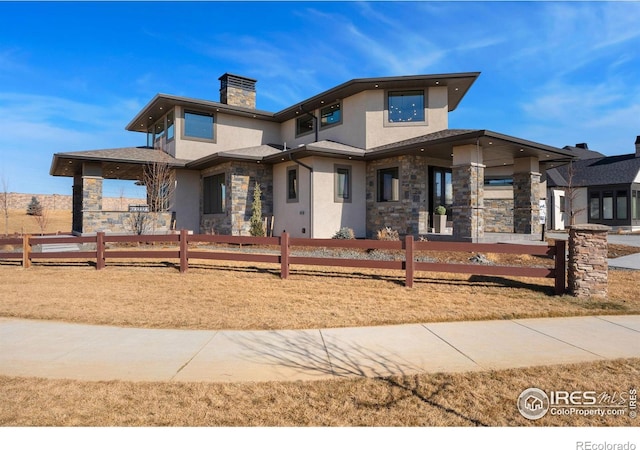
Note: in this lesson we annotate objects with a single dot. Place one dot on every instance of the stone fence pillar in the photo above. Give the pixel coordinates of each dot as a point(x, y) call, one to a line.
point(588, 267)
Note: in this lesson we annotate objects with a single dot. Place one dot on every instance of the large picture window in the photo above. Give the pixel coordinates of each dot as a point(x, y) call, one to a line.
point(388, 185)
point(214, 194)
point(406, 106)
point(198, 125)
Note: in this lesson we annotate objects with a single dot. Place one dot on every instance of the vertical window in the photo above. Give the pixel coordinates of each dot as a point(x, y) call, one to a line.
point(607, 205)
point(197, 125)
point(214, 194)
point(304, 125)
point(621, 205)
point(170, 126)
point(388, 185)
point(330, 115)
point(406, 106)
point(563, 203)
point(342, 186)
point(635, 205)
point(292, 184)
point(158, 132)
point(594, 206)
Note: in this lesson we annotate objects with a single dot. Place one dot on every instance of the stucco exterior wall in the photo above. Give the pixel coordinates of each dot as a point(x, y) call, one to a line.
point(331, 215)
point(292, 216)
point(186, 201)
point(364, 123)
point(231, 132)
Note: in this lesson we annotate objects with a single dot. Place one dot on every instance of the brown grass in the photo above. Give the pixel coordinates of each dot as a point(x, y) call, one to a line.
point(468, 399)
point(252, 296)
point(21, 223)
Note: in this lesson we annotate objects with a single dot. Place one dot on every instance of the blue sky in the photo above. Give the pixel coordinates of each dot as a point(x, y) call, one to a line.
point(73, 74)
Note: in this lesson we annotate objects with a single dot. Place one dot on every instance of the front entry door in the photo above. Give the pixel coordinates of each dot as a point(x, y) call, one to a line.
point(441, 189)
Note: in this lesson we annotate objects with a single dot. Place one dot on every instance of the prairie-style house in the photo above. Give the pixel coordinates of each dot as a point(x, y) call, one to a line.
point(596, 189)
point(367, 154)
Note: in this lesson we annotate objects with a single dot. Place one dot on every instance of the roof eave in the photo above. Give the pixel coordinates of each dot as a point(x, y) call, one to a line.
point(358, 85)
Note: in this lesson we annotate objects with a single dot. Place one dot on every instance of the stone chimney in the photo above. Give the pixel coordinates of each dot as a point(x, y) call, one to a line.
point(638, 147)
point(582, 145)
point(238, 91)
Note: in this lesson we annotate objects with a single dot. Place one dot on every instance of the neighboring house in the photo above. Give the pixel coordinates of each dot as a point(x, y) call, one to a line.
point(366, 154)
point(599, 189)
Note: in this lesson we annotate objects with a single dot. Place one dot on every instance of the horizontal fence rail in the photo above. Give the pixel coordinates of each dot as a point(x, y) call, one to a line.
point(184, 248)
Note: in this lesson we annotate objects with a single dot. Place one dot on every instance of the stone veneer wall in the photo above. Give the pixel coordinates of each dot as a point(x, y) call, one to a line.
point(240, 179)
point(409, 215)
point(498, 215)
point(119, 222)
point(588, 266)
point(526, 196)
point(468, 202)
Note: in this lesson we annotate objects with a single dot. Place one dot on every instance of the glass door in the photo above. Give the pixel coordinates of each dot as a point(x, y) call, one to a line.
point(441, 189)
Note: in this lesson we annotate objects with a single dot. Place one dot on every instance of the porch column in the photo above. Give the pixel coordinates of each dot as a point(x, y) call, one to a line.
point(468, 193)
point(91, 195)
point(526, 195)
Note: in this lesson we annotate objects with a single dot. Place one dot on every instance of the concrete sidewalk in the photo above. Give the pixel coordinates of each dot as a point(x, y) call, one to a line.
point(86, 352)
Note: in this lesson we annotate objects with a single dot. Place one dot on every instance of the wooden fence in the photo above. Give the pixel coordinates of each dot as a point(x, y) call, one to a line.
point(285, 258)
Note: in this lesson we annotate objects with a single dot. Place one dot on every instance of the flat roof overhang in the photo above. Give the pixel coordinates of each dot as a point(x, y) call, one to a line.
point(498, 149)
point(457, 83)
point(114, 163)
point(161, 103)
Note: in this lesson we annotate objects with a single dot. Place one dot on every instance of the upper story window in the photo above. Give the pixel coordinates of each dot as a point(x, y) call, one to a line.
point(198, 125)
point(406, 106)
point(330, 115)
point(170, 125)
point(304, 125)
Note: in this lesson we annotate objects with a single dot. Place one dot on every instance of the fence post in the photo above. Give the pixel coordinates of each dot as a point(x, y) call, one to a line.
point(408, 260)
point(284, 255)
point(561, 267)
point(184, 248)
point(588, 270)
point(26, 251)
point(100, 259)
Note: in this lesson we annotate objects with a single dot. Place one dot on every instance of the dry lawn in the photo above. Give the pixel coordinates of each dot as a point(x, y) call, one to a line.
point(21, 223)
point(469, 399)
point(252, 296)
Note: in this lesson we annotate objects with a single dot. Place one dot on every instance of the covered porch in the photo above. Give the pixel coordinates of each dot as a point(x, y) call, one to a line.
point(464, 171)
point(89, 169)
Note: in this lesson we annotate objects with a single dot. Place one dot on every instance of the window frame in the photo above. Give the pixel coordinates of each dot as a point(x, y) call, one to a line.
point(293, 170)
point(194, 112)
point(380, 184)
point(337, 198)
point(324, 126)
point(208, 203)
point(305, 132)
point(387, 114)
